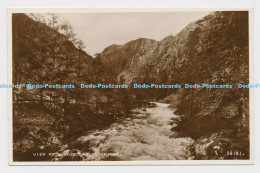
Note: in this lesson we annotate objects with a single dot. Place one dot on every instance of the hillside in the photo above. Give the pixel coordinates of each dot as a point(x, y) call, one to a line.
point(199, 41)
point(213, 50)
point(46, 117)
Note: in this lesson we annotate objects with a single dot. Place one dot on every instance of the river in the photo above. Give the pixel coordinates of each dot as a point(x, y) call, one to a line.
point(146, 135)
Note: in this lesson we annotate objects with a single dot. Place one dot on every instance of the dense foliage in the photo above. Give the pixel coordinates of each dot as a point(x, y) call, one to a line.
point(47, 52)
point(213, 50)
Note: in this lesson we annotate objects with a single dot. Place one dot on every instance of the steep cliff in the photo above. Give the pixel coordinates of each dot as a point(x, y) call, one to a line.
point(213, 50)
point(203, 46)
point(126, 60)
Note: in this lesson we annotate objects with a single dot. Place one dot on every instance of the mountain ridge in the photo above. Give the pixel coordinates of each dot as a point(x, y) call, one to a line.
point(168, 54)
point(158, 50)
point(212, 50)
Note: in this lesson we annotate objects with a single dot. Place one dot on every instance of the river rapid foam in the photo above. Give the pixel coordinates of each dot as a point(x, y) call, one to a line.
point(147, 135)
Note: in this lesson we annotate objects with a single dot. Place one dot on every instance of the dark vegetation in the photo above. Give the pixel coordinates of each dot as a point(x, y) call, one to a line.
point(47, 51)
point(213, 50)
point(220, 115)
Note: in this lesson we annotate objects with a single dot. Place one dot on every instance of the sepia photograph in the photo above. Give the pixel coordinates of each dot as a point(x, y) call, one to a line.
point(130, 86)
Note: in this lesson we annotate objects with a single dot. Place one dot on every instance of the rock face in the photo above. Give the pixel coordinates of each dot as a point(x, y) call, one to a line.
point(207, 40)
point(127, 59)
point(213, 50)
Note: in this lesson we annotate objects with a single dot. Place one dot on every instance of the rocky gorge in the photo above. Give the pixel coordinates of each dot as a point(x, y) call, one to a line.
point(202, 124)
point(213, 50)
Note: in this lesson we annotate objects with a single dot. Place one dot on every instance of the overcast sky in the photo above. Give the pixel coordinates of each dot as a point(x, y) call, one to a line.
point(99, 30)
